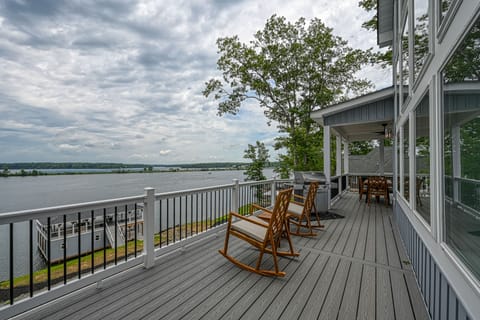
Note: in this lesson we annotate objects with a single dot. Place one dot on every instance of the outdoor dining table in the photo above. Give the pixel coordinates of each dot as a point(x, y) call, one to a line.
point(389, 188)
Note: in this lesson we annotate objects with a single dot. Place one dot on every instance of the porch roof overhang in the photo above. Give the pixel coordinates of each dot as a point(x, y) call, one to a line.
point(362, 118)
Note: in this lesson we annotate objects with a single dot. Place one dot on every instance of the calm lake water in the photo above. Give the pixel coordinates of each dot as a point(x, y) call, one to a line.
point(21, 193)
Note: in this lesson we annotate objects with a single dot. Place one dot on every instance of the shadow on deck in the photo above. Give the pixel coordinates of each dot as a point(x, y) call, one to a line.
point(355, 268)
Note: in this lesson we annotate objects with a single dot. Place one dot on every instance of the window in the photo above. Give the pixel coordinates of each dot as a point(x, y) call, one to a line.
point(398, 84)
point(405, 76)
point(398, 161)
point(422, 158)
point(421, 35)
point(461, 158)
point(444, 6)
point(406, 165)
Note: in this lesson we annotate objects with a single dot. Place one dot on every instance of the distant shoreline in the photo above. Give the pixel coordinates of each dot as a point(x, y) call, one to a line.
point(34, 169)
point(45, 172)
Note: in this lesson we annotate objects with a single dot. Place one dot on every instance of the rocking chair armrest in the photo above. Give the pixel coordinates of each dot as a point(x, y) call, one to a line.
point(298, 203)
point(298, 196)
point(247, 219)
point(256, 206)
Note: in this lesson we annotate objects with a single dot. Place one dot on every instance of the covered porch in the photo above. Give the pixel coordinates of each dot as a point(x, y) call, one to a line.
point(366, 118)
point(356, 268)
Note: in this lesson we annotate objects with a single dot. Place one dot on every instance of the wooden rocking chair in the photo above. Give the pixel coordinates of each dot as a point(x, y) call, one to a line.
point(298, 213)
point(264, 236)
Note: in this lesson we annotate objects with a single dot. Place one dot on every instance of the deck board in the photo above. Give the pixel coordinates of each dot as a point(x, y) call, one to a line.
point(384, 295)
point(367, 301)
point(333, 300)
point(320, 291)
point(355, 268)
point(348, 308)
point(299, 300)
point(275, 309)
point(403, 308)
point(359, 251)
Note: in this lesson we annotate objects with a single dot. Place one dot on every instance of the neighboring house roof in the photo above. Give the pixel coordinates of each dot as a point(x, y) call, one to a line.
point(369, 163)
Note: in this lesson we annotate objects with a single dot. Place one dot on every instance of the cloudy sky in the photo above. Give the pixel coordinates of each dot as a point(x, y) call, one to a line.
point(121, 81)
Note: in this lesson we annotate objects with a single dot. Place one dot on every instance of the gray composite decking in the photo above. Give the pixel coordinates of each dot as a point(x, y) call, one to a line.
point(355, 269)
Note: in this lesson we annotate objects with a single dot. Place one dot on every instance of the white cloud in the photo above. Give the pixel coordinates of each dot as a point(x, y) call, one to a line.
point(164, 152)
point(121, 80)
point(69, 147)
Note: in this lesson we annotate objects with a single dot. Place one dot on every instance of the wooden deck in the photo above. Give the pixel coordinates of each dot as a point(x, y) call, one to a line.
point(355, 269)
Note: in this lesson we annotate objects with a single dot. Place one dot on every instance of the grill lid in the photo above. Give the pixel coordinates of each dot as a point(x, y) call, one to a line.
point(305, 177)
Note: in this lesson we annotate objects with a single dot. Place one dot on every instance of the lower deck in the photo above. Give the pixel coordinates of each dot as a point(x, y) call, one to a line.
point(355, 268)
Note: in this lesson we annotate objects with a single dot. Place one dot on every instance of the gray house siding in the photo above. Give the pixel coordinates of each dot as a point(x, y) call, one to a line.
point(72, 245)
point(441, 301)
point(376, 111)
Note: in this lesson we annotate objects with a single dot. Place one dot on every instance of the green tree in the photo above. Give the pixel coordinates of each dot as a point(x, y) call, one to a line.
point(291, 70)
point(464, 66)
point(360, 147)
point(382, 58)
point(5, 172)
point(258, 154)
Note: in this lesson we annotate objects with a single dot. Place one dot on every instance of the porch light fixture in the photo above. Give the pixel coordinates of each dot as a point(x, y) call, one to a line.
point(387, 132)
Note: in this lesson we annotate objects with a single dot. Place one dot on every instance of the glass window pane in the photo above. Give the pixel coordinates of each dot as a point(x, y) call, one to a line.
point(405, 77)
point(422, 158)
point(398, 162)
point(421, 35)
point(461, 117)
point(398, 83)
point(406, 172)
point(444, 6)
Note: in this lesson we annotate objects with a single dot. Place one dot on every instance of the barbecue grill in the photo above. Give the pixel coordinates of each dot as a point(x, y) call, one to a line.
point(301, 182)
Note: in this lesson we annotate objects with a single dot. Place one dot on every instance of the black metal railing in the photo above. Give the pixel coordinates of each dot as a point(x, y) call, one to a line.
point(187, 213)
point(64, 244)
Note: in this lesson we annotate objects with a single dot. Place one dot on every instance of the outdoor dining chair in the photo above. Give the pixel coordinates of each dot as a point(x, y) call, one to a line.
point(362, 187)
point(378, 187)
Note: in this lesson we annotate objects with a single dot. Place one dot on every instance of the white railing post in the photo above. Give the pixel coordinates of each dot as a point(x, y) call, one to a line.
point(326, 161)
point(346, 165)
point(235, 196)
point(273, 191)
point(338, 163)
point(149, 221)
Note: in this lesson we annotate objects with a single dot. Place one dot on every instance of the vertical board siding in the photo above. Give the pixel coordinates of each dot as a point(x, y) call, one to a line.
point(440, 299)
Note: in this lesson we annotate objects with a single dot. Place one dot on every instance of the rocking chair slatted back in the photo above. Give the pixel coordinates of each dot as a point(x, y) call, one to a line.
point(279, 214)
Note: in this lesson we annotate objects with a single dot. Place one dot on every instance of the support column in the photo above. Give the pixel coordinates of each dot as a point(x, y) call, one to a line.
point(346, 165)
point(326, 159)
point(381, 167)
point(338, 165)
